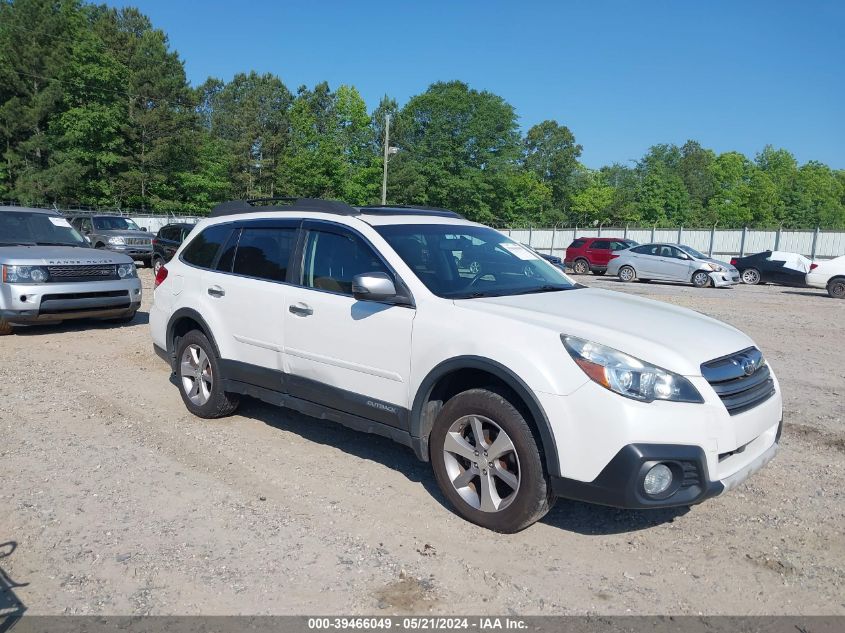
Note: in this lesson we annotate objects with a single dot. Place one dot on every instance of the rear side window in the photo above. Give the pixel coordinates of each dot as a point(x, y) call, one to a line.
point(601, 245)
point(264, 253)
point(577, 243)
point(646, 249)
point(203, 248)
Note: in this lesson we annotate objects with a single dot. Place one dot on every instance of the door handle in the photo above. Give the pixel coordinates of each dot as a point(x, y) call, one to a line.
point(301, 309)
point(216, 291)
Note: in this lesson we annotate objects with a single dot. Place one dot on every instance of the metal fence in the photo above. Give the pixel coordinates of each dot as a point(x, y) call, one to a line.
point(715, 242)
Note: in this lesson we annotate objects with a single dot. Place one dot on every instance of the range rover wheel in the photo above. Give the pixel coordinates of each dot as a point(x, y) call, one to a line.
point(836, 288)
point(487, 462)
point(5, 327)
point(198, 371)
point(700, 279)
point(751, 276)
point(581, 267)
point(627, 273)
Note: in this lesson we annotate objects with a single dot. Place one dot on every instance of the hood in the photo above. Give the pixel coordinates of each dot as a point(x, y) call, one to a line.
point(59, 256)
point(674, 338)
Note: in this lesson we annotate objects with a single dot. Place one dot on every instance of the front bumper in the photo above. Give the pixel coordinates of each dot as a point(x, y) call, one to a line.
point(135, 252)
point(51, 302)
point(620, 484)
point(721, 280)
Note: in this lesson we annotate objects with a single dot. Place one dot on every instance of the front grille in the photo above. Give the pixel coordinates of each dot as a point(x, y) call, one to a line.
point(138, 241)
point(94, 272)
point(84, 301)
point(741, 380)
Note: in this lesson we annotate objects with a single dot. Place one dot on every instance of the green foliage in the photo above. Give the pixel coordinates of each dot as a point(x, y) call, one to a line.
point(95, 109)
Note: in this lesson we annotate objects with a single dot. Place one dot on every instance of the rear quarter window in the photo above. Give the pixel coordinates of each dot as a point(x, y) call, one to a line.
point(577, 243)
point(203, 249)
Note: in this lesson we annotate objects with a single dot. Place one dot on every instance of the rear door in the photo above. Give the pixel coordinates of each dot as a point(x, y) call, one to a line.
point(350, 355)
point(599, 253)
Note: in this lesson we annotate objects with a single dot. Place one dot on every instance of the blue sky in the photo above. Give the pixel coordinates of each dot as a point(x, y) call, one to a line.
point(622, 75)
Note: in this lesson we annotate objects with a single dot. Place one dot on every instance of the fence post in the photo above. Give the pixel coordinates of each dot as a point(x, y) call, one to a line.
point(552, 247)
point(777, 238)
point(530, 235)
point(680, 234)
point(653, 228)
point(815, 242)
point(712, 238)
point(742, 241)
point(625, 234)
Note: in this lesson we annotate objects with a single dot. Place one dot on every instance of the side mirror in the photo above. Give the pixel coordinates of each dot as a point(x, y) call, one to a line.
point(375, 286)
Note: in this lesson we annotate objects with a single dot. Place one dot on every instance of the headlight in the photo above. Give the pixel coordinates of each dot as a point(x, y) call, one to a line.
point(125, 271)
point(628, 376)
point(716, 268)
point(116, 240)
point(25, 274)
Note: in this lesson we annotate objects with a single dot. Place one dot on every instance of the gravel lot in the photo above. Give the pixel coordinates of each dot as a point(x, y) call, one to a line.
point(114, 500)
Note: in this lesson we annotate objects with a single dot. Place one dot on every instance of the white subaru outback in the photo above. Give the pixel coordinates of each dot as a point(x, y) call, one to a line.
point(517, 384)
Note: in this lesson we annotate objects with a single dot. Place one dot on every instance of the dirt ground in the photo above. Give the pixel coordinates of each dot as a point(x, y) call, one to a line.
point(114, 500)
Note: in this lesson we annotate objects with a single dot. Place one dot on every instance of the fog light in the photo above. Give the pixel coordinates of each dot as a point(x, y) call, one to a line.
point(658, 480)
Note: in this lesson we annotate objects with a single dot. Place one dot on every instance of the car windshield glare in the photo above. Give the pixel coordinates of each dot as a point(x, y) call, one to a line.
point(466, 261)
point(115, 224)
point(22, 227)
point(691, 251)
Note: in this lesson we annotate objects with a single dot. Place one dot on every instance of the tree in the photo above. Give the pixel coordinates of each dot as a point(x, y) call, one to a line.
point(592, 204)
point(551, 153)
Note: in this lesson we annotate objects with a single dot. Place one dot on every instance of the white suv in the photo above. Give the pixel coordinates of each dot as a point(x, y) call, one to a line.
point(518, 384)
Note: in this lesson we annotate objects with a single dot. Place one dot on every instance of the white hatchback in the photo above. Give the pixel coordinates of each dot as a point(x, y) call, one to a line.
point(517, 384)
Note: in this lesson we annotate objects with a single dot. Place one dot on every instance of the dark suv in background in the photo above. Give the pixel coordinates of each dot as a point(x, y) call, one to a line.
point(116, 233)
point(167, 242)
point(592, 254)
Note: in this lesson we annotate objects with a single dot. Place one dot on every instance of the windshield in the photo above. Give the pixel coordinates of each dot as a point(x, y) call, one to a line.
point(23, 227)
point(115, 224)
point(463, 262)
point(691, 251)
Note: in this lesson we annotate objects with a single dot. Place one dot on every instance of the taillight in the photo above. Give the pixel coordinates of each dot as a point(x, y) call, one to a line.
point(813, 266)
point(733, 261)
point(154, 241)
point(161, 275)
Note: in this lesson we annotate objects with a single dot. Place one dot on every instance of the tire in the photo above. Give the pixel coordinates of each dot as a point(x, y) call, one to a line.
point(158, 262)
point(5, 327)
point(599, 272)
point(208, 400)
point(520, 463)
point(751, 276)
point(581, 267)
point(627, 273)
point(836, 288)
point(700, 279)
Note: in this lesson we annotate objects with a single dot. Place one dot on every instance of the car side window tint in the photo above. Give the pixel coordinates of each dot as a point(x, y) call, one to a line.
point(643, 250)
point(204, 247)
point(601, 245)
point(577, 243)
point(331, 260)
point(264, 253)
point(227, 255)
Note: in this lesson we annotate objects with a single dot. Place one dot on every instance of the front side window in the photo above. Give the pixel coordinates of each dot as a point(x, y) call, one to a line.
point(22, 227)
point(462, 262)
point(203, 248)
point(109, 223)
point(331, 260)
point(263, 253)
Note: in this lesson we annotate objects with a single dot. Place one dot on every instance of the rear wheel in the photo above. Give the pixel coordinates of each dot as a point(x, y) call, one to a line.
point(700, 279)
point(751, 276)
point(836, 288)
point(199, 378)
point(487, 462)
point(581, 267)
point(627, 273)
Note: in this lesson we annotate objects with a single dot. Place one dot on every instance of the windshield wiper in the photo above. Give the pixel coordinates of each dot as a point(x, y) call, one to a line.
point(546, 288)
point(17, 243)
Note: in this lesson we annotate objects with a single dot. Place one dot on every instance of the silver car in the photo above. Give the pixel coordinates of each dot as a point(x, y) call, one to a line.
point(671, 262)
point(116, 233)
point(49, 273)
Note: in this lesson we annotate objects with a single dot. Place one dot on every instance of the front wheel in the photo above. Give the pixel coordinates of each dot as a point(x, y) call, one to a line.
point(701, 279)
point(199, 378)
point(751, 276)
point(487, 462)
point(836, 288)
point(581, 267)
point(627, 273)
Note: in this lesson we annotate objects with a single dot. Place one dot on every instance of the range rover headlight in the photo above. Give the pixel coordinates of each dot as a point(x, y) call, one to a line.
point(25, 274)
point(125, 271)
point(628, 376)
point(118, 241)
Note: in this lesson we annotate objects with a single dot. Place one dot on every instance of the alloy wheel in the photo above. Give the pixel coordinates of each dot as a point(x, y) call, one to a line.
point(837, 290)
point(481, 463)
point(626, 273)
point(750, 277)
point(581, 267)
point(700, 279)
point(195, 370)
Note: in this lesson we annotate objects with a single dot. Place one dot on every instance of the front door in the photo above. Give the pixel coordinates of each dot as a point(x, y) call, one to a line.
point(350, 355)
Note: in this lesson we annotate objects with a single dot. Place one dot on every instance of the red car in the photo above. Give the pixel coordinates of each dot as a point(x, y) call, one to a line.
point(591, 254)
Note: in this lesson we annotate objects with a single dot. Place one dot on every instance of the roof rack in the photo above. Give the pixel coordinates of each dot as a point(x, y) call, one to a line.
point(409, 209)
point(256, 205)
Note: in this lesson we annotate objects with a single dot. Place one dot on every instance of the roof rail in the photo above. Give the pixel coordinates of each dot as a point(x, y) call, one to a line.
point(410, 209)
point(255, 205)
